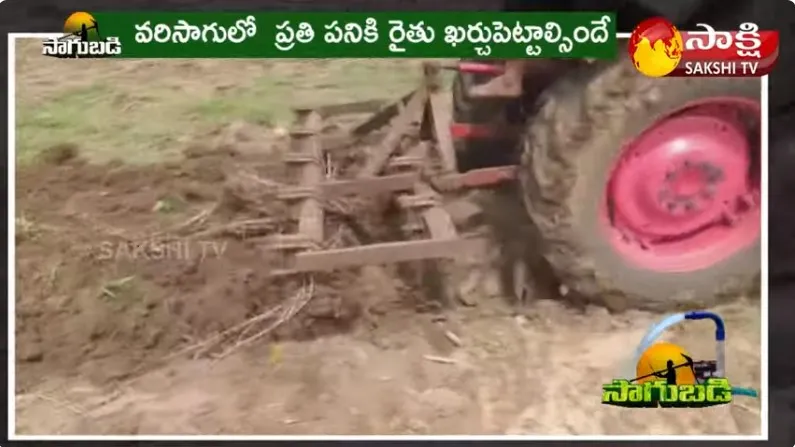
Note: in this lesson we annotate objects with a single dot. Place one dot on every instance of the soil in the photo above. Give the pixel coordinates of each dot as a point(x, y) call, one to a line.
point(126, 275)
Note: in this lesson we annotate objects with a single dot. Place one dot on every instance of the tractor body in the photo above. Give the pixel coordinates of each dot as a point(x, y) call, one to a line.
point(642, 192)
point(645, 192)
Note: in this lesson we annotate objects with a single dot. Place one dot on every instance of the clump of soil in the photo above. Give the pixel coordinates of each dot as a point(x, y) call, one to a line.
point(59, 154)
point(121, 266)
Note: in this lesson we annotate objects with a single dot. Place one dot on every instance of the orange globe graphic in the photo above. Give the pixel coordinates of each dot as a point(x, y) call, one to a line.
point(76, 21)
point(655, 47)
point(656, 360)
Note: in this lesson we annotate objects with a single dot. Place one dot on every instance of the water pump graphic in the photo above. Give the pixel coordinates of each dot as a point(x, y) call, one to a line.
point(702, 369)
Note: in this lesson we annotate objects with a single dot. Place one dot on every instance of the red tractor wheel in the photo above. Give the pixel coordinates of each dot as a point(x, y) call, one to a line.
point(646, 191)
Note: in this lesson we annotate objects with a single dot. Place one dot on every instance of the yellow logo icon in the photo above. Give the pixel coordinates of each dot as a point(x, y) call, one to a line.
point(655, 47)
point(666, 362)
point(82, 25)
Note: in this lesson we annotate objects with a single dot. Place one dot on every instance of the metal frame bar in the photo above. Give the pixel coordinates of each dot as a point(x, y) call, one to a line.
point(388, 169)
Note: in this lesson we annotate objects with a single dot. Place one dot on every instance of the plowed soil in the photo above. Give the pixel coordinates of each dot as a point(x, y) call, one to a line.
point(117, 327)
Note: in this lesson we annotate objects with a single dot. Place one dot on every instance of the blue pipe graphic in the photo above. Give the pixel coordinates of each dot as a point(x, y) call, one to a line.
point(657, 329)
point(720, 337)
point(654, 333)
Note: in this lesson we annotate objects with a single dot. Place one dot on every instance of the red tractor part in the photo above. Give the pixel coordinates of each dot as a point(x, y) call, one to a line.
point(485, 131)
point(466, 131)
point(486, 127)
point(680, 197)
point(483, 68)
point(645, 191)
point(469, 131)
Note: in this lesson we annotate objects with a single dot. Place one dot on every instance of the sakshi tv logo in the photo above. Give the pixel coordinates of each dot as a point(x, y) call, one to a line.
point(659, 49)
point(81, 39)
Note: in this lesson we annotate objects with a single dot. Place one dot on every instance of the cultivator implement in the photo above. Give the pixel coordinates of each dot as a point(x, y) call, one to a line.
point(414, 163)
point(610, 196)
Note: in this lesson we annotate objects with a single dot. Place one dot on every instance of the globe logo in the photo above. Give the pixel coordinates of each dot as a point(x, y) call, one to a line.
point(655, 47)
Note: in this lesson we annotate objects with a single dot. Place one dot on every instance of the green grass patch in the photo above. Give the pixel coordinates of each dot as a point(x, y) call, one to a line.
point(147, 111)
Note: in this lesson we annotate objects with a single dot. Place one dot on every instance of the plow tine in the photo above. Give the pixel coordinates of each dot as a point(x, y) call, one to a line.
point(379, 158)
point(351, 108)
point(400, 167)
point(382, 117)
point(385, 253)
point(311, 212)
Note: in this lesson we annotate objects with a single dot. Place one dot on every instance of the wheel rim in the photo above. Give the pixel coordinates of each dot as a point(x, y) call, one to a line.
point(685, 194)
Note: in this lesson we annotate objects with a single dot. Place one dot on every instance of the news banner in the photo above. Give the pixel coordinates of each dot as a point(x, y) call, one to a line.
point(745, 52)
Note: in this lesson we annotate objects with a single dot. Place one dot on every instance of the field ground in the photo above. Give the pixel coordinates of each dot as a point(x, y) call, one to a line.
point(110, 152)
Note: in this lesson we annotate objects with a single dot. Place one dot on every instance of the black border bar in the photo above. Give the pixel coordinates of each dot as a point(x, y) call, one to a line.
point(48, 16)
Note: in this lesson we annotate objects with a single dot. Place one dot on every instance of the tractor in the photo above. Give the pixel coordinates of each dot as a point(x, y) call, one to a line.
point(645, 192)
point(641, 192)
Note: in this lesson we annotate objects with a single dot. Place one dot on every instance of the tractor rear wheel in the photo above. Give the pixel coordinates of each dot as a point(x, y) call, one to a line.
point(646, 191)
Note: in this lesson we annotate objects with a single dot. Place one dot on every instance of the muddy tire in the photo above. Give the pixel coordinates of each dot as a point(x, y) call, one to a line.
point(570, 150)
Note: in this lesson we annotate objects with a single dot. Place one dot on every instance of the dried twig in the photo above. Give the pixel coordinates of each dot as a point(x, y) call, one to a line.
point(454, 339)
point(251, 227)
point(270, 184)
point(198, 219)
point(329, 168)
point(63, 404)
point(284, 312)
point(337, 206)
point(300, 300)
point(444, 360)
point(101, 227)
point(335, 240)
point(173, 232)
point(212, 341)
